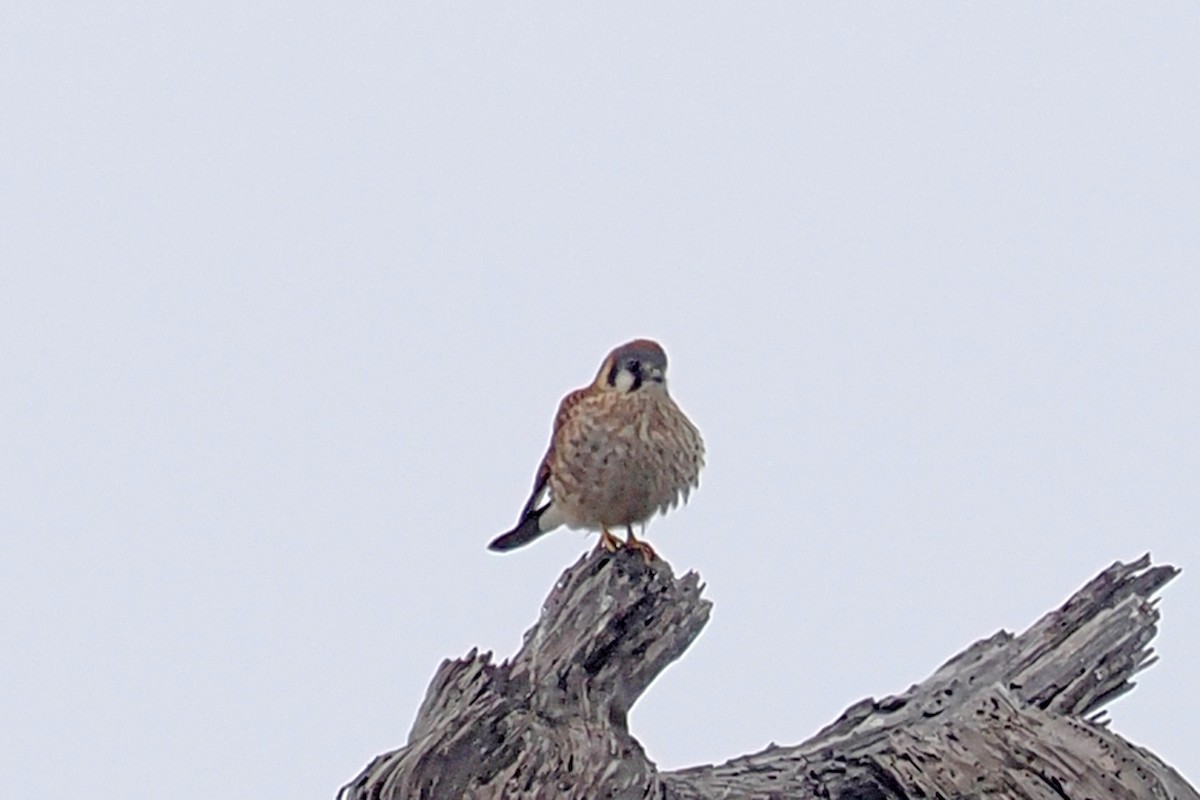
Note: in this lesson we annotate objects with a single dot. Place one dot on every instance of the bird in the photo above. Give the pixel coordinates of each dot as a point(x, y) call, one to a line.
point(620, 451)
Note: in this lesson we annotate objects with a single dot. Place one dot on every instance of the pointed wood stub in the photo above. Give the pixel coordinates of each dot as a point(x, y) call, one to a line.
point(551, 721)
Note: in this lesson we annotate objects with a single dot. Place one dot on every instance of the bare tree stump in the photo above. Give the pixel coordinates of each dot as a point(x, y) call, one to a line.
point(1008, 717)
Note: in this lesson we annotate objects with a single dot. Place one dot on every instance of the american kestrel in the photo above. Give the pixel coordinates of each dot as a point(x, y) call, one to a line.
point(620, 451)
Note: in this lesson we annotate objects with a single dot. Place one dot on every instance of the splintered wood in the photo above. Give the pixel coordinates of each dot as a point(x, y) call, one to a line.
point(1010, 716)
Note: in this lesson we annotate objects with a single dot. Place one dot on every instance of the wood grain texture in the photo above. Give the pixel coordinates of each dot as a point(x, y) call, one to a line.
point(1011, 716)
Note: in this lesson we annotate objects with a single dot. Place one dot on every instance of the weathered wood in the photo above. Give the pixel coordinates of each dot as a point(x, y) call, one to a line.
point(1005, 718)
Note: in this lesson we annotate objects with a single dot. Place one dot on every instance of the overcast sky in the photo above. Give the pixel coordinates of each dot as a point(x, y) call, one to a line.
point(289, 293)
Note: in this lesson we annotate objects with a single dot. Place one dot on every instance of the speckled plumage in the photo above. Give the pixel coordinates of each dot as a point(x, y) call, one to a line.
point(621, 450)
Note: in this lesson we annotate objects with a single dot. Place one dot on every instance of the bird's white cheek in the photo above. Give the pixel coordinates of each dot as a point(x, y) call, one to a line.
point(624, 380)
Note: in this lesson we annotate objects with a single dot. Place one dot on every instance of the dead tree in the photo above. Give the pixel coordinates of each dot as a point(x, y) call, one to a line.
point(1011, 716)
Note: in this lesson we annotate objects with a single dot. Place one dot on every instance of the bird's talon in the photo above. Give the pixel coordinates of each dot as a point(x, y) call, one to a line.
point(609, 542)
point(634, 543)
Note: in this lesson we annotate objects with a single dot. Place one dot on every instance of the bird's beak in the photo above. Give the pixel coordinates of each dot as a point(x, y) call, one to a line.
point(654, 374)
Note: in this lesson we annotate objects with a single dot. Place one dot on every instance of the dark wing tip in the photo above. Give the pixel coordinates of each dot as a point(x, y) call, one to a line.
point(503, 543)
point(525, 532)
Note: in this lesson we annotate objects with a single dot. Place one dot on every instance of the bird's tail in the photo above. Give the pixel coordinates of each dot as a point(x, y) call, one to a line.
point(526, 531)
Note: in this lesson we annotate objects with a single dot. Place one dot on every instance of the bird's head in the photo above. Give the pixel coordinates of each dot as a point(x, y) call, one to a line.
point(634, 366)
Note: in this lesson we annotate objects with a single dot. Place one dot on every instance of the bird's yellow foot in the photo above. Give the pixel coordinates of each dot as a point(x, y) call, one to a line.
point(634, 543)
point(609, 542)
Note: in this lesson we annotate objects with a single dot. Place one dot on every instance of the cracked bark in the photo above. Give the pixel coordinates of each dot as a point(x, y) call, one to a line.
point(1011, 716)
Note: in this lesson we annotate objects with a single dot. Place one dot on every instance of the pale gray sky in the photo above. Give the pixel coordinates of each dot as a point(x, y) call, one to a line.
point(290, 293)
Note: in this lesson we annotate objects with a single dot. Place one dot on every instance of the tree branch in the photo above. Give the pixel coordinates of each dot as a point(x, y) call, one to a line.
point(1002, 718)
